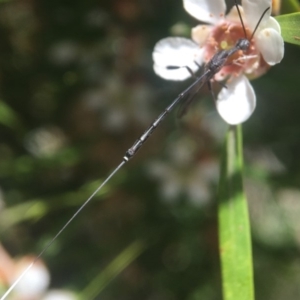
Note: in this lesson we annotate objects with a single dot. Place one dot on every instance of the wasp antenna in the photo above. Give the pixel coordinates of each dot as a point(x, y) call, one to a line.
point(259, 22)
point(240, 15)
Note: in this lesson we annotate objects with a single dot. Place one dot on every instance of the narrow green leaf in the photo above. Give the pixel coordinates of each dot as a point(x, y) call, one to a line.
point(234, 229)
point(117, 266)
point(290, 27)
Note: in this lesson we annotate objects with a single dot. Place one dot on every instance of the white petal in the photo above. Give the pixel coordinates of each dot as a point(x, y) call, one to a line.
point(233, 14)
point(171, 56)
point(200, 33)
point(209, 11)
point(253, 11)
point(271, 45)
point(237, 102)
point(272, 23)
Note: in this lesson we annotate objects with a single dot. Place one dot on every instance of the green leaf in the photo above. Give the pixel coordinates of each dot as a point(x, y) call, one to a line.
point(234, 229)
point(290, 27)
point(289, 6)
point(125, 258)
point(7, 116)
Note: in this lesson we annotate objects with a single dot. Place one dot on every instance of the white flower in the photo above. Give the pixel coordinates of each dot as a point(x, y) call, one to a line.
point(237, 102)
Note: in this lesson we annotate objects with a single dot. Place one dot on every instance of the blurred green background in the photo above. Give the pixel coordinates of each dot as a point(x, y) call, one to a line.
point(76, 90)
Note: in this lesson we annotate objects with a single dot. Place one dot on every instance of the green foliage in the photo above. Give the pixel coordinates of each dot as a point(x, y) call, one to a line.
point(234, 229)
point(120, 262)
point(7, 116)
point(289, 6)
point(290, 27)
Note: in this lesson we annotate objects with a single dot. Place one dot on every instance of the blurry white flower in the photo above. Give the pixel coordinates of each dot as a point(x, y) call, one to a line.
point(35, 282)
point(181, 175)
point(45, 141)
point(59, 295)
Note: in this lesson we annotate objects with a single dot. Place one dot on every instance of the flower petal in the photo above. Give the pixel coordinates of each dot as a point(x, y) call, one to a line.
point(253, 10)
point(200, 34)
point(273, 23)
point(233, 15)
point(171, 56)
point(237, 102)
point(271, 45)
point(209, 11)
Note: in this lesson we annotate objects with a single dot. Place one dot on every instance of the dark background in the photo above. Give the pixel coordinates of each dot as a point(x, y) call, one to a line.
point(77, 88)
